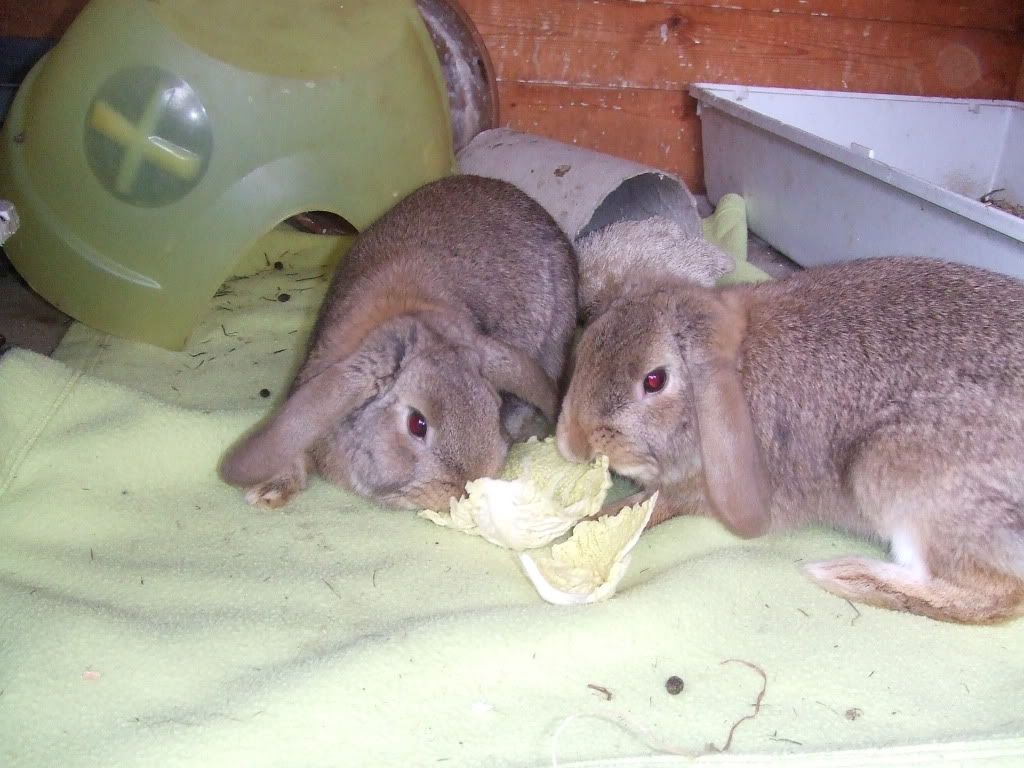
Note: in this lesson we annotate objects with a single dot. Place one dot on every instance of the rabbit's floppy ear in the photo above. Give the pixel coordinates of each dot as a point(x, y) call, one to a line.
point(313, 408)
point(734, 473)
point(510, 370)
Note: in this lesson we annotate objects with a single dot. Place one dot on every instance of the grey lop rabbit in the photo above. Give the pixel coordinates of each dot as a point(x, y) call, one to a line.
point(444, 332)
point(884, 397)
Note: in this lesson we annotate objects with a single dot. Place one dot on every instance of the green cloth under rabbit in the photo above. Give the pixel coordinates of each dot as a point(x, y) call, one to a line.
point(155, 619)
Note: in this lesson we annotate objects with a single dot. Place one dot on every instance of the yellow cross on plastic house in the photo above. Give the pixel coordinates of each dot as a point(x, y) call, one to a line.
point(141, 144)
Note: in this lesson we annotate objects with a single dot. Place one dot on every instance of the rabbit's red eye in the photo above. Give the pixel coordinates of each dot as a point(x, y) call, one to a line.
point(655, 380)
point(417, 424)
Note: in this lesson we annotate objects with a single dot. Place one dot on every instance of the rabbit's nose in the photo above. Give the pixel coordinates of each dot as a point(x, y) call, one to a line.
point(572, 442)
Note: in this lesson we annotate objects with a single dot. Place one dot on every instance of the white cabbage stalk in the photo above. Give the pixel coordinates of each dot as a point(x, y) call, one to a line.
point(539, 499)
point(589, 566)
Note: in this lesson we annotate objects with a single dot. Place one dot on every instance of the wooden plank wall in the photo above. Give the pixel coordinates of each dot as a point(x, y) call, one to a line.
point(612, 74)
point(37, 18)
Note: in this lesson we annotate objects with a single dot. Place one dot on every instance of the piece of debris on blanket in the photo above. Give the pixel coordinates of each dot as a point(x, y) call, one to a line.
point(995, 200)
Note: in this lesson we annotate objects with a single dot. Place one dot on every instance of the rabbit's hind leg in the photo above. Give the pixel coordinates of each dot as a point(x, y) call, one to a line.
point(953, 512)
point(975, 597)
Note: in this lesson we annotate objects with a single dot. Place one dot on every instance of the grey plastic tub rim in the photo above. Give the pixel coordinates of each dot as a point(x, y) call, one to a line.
point(709, 94)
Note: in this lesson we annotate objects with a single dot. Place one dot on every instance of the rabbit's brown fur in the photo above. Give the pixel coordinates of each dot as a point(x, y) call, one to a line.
point(458, 304)
point(620, 256)
point(884, 397)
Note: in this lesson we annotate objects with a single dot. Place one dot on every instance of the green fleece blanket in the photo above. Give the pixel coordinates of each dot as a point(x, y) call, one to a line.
point(151, 618)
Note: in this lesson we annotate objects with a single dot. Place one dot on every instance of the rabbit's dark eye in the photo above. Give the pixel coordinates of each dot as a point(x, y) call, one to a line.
point(417, 424)
point(655, 380)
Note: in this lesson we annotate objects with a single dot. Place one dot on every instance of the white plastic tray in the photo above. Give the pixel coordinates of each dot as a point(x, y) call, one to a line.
point(831, 176)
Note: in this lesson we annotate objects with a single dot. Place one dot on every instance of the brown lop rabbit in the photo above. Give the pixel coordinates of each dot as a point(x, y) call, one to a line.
point(444, 331)
point(884, 397)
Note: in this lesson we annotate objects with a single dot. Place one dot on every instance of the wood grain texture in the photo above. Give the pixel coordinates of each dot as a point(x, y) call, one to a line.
point(592, 72)
point(1019, 94)
point(1004, 15)
point(655, 127)
point(37, 18)
point(609, 43)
